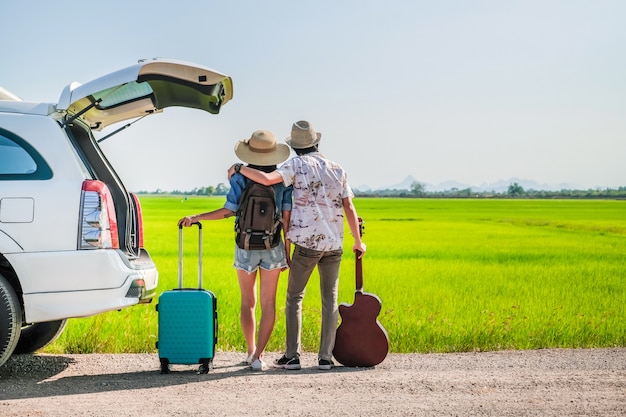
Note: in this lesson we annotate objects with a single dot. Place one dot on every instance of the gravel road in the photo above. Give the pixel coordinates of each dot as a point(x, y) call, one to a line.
point(567, 382)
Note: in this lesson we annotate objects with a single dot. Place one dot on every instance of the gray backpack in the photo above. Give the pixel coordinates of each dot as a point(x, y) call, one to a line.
point(258, 223)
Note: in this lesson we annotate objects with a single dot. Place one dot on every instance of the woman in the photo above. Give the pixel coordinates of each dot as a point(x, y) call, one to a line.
point(260, 152)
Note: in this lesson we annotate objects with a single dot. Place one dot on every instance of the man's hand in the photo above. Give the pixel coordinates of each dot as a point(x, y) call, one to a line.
point(231, 171)
point(359, 249)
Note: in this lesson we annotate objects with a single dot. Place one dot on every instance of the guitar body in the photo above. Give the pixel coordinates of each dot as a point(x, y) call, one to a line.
point(361, 340)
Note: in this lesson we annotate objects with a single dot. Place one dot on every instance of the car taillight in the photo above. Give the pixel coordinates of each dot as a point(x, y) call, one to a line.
point(99, 223)
point(139, 221)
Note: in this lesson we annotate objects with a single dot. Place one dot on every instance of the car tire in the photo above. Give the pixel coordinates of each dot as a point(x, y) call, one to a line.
point(38, 335)
point(10, 319)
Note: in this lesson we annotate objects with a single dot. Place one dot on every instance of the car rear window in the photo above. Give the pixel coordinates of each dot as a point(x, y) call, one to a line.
point(18, 160)
point(126, 93)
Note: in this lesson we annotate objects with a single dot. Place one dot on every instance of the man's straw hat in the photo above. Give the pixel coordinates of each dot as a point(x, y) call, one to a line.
point(303, 135)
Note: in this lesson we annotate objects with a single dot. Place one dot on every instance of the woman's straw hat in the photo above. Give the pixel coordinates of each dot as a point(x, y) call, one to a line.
point(261, 149)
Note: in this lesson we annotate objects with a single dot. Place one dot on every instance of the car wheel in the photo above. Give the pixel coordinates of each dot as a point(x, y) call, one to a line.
point(36, 336)
point(10, 319)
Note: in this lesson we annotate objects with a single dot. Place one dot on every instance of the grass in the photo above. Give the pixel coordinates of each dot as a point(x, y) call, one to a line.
point(453, 275)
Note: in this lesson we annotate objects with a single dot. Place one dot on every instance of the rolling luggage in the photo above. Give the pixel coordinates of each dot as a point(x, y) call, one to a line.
point(187, 320)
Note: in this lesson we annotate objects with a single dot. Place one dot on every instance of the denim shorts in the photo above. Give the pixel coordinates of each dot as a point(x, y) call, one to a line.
point(251, 260)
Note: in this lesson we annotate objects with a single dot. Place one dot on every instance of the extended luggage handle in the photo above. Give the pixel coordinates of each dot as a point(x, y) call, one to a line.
point(180, 255)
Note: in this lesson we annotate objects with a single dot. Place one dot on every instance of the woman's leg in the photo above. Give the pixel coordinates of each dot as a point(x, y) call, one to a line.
point(268, 284)
point(247, 286)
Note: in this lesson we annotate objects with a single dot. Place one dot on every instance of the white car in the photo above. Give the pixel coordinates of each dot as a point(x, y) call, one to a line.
point(71, 235)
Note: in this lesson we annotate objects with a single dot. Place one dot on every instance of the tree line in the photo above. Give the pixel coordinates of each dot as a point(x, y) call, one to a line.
point(220, 189)
point(514, 190)
point(418, 190)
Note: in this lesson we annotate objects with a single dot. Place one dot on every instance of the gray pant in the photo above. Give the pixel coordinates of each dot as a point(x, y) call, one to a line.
point(302, 264)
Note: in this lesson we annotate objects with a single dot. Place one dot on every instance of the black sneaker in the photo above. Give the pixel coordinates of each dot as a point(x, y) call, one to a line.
point(288, 363)
point(325, 365)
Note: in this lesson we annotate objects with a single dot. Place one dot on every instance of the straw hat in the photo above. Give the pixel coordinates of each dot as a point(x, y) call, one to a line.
point(303, 135)
point(261, 149)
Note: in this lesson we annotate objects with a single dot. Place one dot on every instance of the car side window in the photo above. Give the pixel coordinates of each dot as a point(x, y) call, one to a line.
point(19, 160)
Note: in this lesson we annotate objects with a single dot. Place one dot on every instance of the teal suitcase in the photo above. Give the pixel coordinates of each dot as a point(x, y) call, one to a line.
point(187, 320)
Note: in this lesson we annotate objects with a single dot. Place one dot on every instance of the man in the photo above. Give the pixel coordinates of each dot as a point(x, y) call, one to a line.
point(321, 196)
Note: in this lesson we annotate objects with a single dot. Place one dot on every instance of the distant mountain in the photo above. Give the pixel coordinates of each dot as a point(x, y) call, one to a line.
point(503, 185)
point(447, 185)
point(500, 186)
point(403, 185)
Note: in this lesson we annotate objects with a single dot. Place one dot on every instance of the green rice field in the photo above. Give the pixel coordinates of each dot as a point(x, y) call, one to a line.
point(453, 275)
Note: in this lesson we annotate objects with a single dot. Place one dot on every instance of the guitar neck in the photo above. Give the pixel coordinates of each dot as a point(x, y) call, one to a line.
point(359, 263)
point(359, 273)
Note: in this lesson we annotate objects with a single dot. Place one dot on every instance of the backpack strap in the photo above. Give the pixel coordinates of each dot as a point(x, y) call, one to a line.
point(267, 241)
point(277, 227)
point(246, 242)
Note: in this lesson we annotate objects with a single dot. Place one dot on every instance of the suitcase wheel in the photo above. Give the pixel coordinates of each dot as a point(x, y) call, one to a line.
point(165, 366)
point(205, 366)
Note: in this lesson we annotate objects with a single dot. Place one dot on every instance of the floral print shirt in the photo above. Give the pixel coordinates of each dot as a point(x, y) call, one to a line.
point(319, 187)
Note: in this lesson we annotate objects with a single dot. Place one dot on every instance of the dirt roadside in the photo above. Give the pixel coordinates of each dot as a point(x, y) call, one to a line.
point(510, 383)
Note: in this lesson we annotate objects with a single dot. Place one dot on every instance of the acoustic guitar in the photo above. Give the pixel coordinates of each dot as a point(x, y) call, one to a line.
point(361, 340)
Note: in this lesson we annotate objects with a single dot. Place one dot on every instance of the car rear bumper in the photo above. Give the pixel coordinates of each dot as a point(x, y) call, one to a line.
point(82, 283)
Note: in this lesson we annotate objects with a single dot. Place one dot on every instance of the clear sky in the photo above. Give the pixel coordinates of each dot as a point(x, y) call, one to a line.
point(473, 91)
